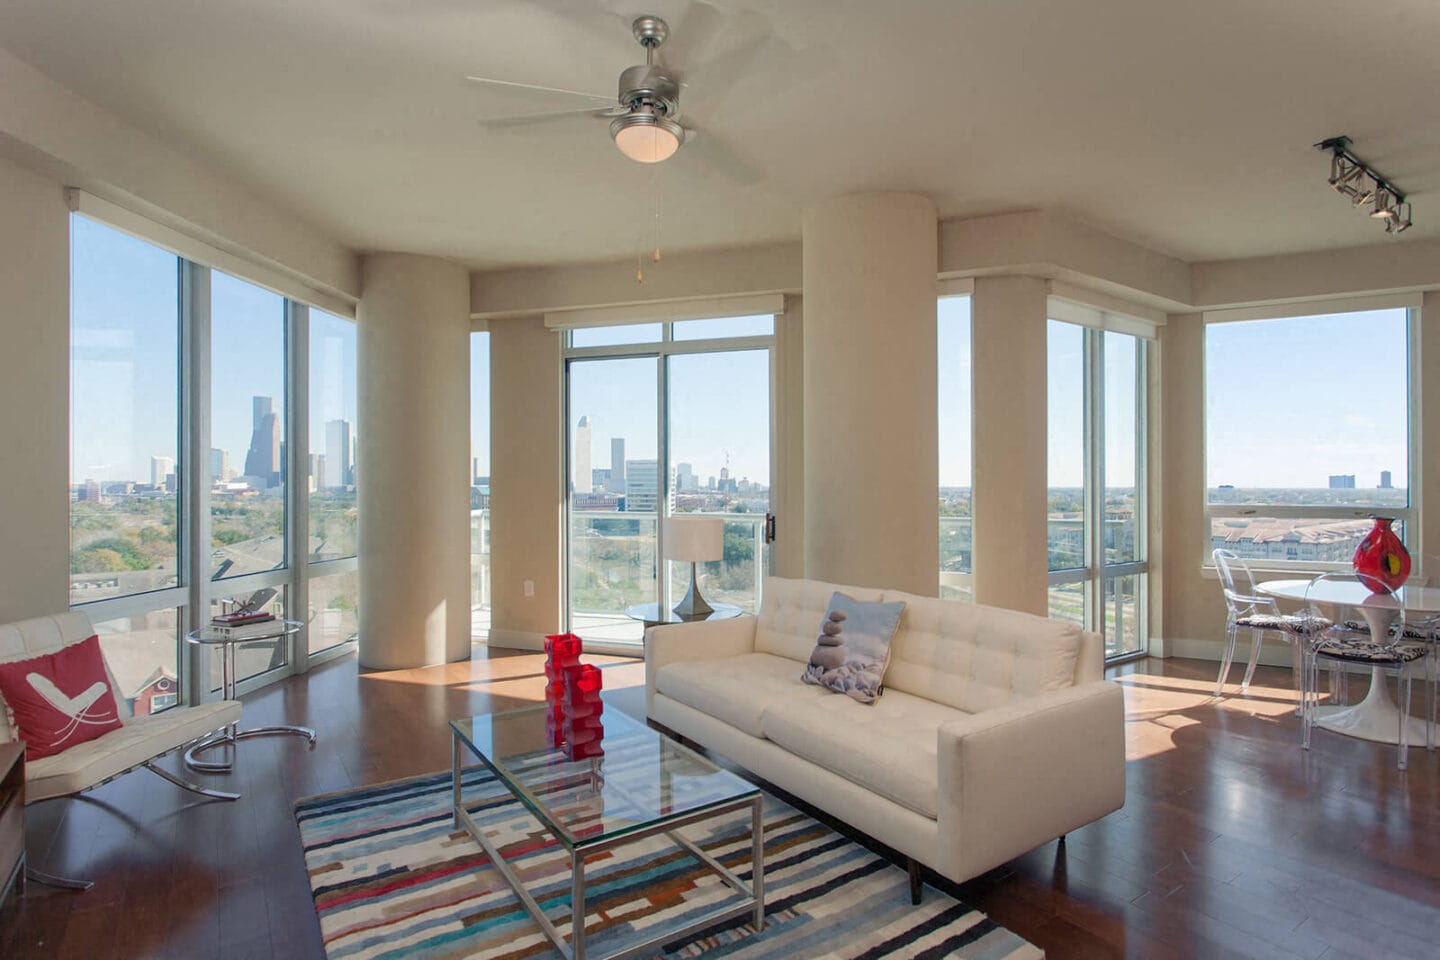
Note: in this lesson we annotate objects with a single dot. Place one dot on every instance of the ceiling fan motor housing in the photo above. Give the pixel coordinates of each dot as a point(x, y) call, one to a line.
point(645, 86)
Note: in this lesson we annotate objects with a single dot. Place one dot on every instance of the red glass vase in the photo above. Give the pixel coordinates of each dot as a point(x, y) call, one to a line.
point(1381, 561)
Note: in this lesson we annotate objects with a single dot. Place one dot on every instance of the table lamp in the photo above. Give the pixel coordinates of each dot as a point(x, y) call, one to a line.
point(698, 540)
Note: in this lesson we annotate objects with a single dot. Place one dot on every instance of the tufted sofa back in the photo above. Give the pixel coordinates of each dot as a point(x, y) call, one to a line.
point(791, 611)
point(966, 656)
point(24, 639)
point(975, 658)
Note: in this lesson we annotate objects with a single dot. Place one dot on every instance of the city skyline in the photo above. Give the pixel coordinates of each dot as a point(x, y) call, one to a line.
point(125, 349)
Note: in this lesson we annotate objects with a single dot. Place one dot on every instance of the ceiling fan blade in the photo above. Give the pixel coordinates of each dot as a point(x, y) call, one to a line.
point(698, 31)
point(535, 86)
point(535, 119)
point(713, 152)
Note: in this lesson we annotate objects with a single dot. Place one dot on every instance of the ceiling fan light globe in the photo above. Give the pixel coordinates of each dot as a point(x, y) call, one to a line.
point(645, 138)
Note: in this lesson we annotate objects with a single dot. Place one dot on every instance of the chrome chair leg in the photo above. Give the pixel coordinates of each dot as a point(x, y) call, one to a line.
point(50, 880)
point(187, 785)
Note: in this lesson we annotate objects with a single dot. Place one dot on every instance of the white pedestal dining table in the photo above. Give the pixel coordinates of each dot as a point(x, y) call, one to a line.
point(1377, 717)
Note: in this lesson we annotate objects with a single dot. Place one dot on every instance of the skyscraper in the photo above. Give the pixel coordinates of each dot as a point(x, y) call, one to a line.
point(339, 454)
point(642, 487)
point(1342, 481)
point(684, 477)
point(1385, 483)
point(617, 465)
point(160, 468)
point(219, 464)
point(582, 456)
point(262, 460)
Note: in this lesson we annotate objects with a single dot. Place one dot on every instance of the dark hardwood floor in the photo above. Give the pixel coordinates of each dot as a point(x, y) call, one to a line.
point(1233, 842)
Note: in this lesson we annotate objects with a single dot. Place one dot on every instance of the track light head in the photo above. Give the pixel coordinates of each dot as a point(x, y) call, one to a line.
point(1350, 177)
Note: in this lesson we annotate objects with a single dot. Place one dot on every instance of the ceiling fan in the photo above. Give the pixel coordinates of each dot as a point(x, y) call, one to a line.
point(645, 115)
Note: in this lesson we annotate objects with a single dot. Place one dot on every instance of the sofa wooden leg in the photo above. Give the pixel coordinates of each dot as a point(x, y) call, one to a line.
point(914, 866)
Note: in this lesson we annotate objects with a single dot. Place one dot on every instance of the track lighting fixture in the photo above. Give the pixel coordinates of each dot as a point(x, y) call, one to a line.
point(1353, 179)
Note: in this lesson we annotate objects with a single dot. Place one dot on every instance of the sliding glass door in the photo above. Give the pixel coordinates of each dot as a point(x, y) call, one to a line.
point(615, 494)
point(664, 419)
point(1097, 452)
point(719, 449)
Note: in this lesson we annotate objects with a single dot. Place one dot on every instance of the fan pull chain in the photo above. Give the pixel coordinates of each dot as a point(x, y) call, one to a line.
point(655, 194)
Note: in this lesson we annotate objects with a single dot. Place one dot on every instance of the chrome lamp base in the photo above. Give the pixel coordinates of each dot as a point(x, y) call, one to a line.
point(693, 606)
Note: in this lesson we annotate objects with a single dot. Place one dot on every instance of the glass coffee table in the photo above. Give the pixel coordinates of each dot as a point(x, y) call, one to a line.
point(643, 785)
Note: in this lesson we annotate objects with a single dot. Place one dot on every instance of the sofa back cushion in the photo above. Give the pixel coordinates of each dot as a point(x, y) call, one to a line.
point(791, 612)
point(974, 658)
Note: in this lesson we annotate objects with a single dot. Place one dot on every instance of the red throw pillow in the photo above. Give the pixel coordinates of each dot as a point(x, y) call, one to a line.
point(60, 699)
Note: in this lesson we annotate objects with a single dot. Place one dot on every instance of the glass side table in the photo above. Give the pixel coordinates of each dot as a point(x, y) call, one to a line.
point(228, 638)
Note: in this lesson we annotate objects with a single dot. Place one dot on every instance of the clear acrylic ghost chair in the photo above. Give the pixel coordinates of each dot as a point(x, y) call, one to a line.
point(1247, 610)
point(1368, 633)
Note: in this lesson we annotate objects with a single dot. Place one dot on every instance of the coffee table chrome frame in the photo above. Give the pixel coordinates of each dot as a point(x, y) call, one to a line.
point(753, 894)
point(231, 733)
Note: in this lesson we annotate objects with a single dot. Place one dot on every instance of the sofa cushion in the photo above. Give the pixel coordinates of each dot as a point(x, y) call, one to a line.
point(791, 611)
point(887, 747)
point(974, 657)
point(853, 647)
point(736, 689)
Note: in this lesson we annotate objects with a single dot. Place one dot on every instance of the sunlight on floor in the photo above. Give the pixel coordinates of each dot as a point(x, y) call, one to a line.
point(1157, 707)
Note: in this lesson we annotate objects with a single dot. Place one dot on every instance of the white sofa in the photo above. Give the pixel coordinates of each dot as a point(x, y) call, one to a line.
point(996, 732)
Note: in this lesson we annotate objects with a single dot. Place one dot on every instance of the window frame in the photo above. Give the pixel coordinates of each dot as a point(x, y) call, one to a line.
point(194, 592)
point(1409, 517)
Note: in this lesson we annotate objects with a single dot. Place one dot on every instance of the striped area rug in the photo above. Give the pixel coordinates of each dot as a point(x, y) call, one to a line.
point(392, 877)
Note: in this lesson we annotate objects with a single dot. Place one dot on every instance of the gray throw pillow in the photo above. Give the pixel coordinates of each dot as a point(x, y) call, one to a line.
point(853, 647)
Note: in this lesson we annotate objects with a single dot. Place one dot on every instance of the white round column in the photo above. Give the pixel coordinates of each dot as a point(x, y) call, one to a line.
point(412, 455)
point(871, 449)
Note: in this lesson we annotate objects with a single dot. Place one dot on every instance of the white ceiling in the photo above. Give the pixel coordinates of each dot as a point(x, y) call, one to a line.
point(1183, 125)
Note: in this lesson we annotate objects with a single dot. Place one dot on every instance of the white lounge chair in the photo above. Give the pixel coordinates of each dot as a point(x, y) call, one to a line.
point(139, 743)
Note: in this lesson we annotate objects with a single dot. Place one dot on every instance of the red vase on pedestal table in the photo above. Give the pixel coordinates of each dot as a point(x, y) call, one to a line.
point(1381, 561)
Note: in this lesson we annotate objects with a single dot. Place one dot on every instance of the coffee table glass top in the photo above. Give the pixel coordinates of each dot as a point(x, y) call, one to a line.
point(642, 780)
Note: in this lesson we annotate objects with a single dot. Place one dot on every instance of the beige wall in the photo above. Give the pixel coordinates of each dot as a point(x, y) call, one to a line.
point(1008, 364)
point(72, 140)
point(526, 481)
point(413, 358)
point(871, 511)
point(1194, 614)
point(34, 394)
point(788, 498)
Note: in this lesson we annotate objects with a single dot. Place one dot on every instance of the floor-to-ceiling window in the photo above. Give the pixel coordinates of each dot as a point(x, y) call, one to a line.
point(957, 569)
point(480, 485)
point(187, 403)
point(334, 585)
point(1097, 452)
point(664, 419)
point(126, 463)
point(248, 417)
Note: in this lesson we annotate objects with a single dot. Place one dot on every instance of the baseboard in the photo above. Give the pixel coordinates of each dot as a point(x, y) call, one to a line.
point(516, 640)
point(1275, 653)
point(535, 643)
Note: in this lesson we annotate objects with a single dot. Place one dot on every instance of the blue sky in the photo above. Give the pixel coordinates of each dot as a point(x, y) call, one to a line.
point(719, 405)
point(124, 303)
point(1288, 402)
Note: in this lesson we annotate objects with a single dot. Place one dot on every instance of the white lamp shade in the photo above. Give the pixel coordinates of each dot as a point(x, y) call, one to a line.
point(694, 539)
